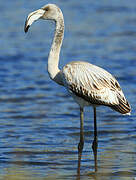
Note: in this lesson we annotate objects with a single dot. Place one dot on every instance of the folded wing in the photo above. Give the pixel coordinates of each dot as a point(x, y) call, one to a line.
point(95, 85)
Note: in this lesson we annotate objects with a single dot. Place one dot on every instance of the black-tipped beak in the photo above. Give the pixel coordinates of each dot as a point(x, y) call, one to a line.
point(34, 16)
point(26, 28)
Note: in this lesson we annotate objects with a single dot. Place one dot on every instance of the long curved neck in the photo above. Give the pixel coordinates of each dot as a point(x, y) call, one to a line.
point(53, 59)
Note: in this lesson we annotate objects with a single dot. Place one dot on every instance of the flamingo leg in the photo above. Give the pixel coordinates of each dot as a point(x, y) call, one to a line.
point(81, 142)
point(95, 142)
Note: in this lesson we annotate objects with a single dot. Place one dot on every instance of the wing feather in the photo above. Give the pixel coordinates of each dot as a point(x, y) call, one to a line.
point(95, 85)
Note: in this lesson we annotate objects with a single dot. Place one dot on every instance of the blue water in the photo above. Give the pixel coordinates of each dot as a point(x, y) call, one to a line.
point(39, 122)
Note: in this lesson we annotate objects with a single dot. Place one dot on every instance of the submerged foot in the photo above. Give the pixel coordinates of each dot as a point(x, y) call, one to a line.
point(95, 144)
point(80, 146)
point(94, 147)
point(80, 149)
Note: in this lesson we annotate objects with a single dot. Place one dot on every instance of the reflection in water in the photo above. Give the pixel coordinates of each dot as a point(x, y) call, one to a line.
point(94, 147)
point(79, 163)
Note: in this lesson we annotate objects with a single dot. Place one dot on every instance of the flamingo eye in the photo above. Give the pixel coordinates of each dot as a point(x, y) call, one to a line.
point(46, 9)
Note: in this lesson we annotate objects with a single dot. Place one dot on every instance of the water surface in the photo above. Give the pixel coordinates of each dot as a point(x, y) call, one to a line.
point(39, 122)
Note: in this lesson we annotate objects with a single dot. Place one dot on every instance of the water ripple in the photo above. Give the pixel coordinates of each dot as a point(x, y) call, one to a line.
point(39, 122)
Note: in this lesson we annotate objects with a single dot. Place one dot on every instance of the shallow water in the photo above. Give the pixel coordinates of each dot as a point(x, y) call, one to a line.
point(39, 122)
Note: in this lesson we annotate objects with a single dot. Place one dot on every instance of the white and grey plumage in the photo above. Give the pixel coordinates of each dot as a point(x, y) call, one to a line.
point(88, 84)
point(92, 85)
